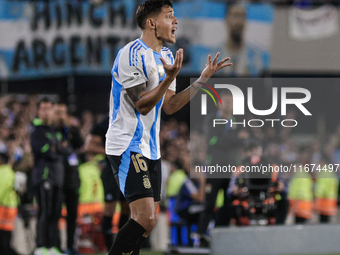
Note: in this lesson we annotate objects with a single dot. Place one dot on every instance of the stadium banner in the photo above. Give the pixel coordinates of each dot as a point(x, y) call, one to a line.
point(313, 24)
point(63, 37)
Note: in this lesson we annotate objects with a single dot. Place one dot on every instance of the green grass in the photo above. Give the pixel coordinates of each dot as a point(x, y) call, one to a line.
point(161, 253)
point(151, 253)
point(142, 253)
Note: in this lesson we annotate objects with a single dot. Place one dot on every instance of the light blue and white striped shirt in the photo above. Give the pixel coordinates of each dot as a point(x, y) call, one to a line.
point(135, 64)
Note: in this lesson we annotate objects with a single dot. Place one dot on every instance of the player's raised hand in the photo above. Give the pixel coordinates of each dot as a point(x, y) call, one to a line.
point(213, 66)
point(172, 70)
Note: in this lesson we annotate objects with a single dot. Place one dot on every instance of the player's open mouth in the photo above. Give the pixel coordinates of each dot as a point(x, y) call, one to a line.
point(173, 32)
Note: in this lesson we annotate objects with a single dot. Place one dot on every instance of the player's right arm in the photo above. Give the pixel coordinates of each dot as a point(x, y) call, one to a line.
point(146, 101)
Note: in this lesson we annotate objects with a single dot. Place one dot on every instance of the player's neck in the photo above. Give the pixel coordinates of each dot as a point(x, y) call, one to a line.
point(151, 41)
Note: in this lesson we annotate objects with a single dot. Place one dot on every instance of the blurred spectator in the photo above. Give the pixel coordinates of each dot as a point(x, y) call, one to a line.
point(331, 151)
point(175, 182)
point(19, 146)
point(71, 141)
point(316, 151)
point(246, 58)
point(4, 133)
point(8, 205)
point(13, 106)
point(95, 145)
point(48, 178)
point(300, 191)
point(270, 136)
point(326, 191)
point(87, 122)
point(191, 196)
point(224, 143)
point(90, 206)
point(288, 152)
point(264, 193)
point(32, 106)
point(174, 144)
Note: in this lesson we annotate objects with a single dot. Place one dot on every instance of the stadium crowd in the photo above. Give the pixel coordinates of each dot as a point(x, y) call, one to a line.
point(182, 195)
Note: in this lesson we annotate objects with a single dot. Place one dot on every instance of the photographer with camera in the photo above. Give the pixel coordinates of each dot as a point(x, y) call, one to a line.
point(256, 193)
point(71, 141)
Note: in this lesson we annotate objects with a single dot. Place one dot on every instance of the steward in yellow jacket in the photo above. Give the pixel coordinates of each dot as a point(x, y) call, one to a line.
point(8, 206)
point(300, 195)
point(326, 192)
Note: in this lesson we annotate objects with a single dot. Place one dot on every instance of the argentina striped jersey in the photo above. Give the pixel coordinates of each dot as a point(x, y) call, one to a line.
point(135, 64)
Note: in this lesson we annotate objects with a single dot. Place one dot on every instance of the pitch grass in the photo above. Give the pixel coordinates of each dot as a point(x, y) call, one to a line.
point(161, 253)
point(142, 253)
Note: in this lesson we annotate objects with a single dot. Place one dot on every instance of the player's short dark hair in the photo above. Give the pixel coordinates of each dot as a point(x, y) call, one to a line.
point(43, 100)
point(149, 7)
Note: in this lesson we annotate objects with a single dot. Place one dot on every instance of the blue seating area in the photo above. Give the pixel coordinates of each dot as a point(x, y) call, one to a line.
point(179, 229)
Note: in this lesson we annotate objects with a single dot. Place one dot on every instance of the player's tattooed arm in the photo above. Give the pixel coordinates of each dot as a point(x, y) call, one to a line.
point(136, 92)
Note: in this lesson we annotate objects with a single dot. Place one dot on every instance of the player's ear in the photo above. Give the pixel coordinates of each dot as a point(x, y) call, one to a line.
point(150, 23)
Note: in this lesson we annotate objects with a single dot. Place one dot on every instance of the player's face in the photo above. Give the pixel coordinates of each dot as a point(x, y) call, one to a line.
point(166, 25)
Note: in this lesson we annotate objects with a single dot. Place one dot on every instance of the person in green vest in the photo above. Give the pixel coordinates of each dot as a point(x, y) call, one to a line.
point(91, 201)
point(8, 204)
point(175, 182)
point(91, 187)
point(300, 188)
point(326, 191)
point(300, 195)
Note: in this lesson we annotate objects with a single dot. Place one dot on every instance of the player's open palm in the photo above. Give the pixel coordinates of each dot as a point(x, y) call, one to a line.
point(172, 70)
point(213, 66)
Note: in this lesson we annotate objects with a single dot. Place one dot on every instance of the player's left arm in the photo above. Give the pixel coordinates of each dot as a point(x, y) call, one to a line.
point(174, 102)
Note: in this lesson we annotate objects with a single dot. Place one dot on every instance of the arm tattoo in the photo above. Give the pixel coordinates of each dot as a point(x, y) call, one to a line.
point(134, 92)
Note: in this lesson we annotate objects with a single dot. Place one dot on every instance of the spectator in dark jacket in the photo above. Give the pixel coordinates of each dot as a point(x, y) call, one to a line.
point(224, 143)
point(70, 135)
point(47, 178)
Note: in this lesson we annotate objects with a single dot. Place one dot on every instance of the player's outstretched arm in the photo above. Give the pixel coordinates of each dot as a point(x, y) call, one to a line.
point(145, 101)
point(173, 102)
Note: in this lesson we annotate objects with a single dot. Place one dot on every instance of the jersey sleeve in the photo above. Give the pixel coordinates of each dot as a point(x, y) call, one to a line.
point(131, 69)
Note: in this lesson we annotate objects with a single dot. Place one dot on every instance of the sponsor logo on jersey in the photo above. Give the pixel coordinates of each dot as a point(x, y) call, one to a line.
point(161, 70)
point(153, 72)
